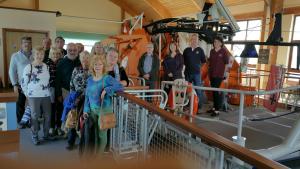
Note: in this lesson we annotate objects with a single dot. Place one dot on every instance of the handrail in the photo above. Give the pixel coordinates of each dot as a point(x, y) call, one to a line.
point(8, 97)
point(143, 82)
point(259, 92)
point(212, 138)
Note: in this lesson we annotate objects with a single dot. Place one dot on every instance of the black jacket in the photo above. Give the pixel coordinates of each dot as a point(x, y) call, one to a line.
point(154, 69)
point(64, 72)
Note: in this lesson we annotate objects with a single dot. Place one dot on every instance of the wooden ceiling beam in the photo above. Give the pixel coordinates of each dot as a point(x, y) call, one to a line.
point(240, 2)
point(123, 5)
point(162, 11)
point(198, 4)
point(268, 2)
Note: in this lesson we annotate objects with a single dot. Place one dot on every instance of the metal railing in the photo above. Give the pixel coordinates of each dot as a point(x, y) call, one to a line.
point(135, 80)
point(242, 94)
point(145, 131)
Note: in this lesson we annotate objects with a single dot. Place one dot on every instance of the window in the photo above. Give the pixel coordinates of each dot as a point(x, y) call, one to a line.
point(295, 38)
point(249, 31)
point(88, 44)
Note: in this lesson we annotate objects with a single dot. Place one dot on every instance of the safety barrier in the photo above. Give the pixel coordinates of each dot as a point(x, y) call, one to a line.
point(145, 131)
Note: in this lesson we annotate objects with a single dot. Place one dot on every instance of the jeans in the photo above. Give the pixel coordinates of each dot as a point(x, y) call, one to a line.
point(37, 106)
point(195, 79)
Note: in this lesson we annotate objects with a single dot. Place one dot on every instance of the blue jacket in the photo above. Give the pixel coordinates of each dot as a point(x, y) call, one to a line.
point(69, 103)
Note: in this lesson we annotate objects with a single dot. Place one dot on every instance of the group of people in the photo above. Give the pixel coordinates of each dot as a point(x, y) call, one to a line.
point(191, 61)
point(54, 80)
point(48, 76)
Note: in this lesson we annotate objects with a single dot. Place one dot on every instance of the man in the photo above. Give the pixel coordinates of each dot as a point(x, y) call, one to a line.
point(17, 64)
point(80, 47)
point(46, 45)
point(64, 71)
point(148, 66)
point(194, 57)
point(63, 77)
point(60, 43)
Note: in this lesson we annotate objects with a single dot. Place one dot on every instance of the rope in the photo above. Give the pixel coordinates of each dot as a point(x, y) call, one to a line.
point(273, 117)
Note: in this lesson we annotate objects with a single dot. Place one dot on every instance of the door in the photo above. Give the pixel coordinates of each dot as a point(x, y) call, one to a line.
point(12, 44)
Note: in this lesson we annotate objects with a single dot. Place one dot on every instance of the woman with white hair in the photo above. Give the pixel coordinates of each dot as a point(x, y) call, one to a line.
point(35, 86)
point(98, 49)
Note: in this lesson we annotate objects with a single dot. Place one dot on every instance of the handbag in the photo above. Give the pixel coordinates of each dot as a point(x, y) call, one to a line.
point(107, 120)
point(72, 119)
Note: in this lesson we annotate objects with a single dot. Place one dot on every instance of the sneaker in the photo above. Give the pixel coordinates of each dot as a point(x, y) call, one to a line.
point(51, 131)
point(21, 126)
point(60, 132)
point(215, 113)
point(48, 138)
point(35, 140)
point(211, 111)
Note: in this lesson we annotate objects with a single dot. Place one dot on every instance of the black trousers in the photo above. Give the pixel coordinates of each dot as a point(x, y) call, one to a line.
point(20, 105)
point(217, 96)
point(53, 115)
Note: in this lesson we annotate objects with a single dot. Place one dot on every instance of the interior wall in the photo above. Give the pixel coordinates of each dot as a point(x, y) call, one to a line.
point(100, 9)
point(27, 4)
point(28, 20)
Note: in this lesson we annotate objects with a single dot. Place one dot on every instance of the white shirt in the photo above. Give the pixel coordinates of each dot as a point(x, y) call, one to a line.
point(35, 81)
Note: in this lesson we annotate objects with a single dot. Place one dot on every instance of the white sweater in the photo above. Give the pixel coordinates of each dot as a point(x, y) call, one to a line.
point(35, 81)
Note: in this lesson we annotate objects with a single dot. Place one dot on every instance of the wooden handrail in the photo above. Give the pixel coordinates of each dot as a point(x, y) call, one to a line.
point(212, 138)
point(8, 97)
point(136, 88)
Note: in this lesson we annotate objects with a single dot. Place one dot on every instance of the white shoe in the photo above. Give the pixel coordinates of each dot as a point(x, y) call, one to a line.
point(51, 131)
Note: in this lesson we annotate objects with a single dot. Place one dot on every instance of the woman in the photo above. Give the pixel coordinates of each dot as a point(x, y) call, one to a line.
point(98, 49)
point(173, 65)
point(55, 56)
point(117, 72)
point(78, 86)
point(96, 102)
point(35, 85)
point(114, 68)
point(218, 60)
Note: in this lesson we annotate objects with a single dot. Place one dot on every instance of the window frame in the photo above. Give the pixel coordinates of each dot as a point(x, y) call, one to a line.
point(290, 69)
point(247, 21)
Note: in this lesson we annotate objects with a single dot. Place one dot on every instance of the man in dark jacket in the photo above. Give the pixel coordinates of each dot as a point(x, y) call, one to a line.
point(148, 66)
point(63, 74)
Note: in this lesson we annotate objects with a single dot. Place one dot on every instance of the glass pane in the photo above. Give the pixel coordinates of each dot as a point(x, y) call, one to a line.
point(294, 58)
point(297, 29)
point(237, 49)
point(252, 61)
point(253, 35)
point(254, 25)
point(253, 30)
point(88, 44)
point(242, 34)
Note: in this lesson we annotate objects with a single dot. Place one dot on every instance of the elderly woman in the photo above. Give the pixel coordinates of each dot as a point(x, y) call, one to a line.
point(114, 69)
point(55, 56)
point(35, 85)
point(100, 88)
point(98, 49)
point(77, 87)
